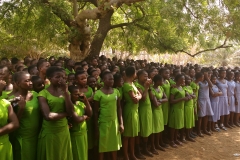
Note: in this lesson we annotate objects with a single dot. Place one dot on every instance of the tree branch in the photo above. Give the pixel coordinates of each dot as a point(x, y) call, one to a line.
point(129, 23)
point(60, 13)
point(207, 50)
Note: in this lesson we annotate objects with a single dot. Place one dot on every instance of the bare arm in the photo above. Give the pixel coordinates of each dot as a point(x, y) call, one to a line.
point(164, 98)
point(47, 115)
point(13, 122)
point(173, 100)
point(134, 97)
point(119, 114)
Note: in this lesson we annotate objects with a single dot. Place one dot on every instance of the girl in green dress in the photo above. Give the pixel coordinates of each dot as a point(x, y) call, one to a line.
point(199, 77)
point(55, 104)
point(81, 82)
point(145, 110)
point(8, 123)
point(176, 115)
point(108, 117)
point(131, 95)
point(166, 86)
point(24, 140)
point(81, 112)
point(189, 109)
point(158, 98)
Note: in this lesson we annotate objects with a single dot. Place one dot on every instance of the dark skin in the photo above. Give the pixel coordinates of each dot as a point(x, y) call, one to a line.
point(42, 72)
point(71, 79)
point(214, 94)
point(38, 85)
point(92, 83)
point(75, 97)
point(130, 141)
point(207, 75)
point(24, 86)
point(81, 81)
point(156, 138)
point(145, 82)
point(57, 88)
point(222, 76)
point(191, 96)
point(230, 77)
point(107, 89)
point(174, 132)
point(236, 115)
point(13, 123)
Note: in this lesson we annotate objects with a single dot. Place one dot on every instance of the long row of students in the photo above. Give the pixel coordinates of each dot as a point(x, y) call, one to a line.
point(62, 110)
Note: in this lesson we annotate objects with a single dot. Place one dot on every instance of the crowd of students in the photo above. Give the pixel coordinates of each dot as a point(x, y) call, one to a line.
point(58, 109)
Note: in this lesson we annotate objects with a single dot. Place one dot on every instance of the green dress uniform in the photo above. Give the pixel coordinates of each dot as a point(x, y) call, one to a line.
point(165, 106)
point(145, 114)
point(90, 124)
point(78, 134)
point(176, 115)
point(25, 138)
point(5, 145)
point(157, 113)
point(54, 142)
point(109, 134)
point(195, 88)
point(189, 110)
point(130, 112)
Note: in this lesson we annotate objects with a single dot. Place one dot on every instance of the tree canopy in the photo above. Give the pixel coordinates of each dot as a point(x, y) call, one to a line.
point(84, 27)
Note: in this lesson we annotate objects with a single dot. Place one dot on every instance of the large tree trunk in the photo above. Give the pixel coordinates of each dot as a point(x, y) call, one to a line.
point(104, 27)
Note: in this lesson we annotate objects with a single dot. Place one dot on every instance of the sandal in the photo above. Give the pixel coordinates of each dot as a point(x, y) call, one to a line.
point(223, 128)
point(178, 143)
point(218, 129)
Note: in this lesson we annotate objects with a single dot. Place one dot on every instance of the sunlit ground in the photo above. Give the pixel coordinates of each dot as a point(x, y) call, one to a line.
point(221, 145)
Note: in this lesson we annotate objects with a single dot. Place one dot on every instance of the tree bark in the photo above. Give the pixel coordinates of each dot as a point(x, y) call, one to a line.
point(97, 42)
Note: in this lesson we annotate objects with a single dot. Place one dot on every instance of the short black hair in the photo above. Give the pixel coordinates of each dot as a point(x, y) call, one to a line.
point(130, 71)
point(52, 70)
point(18, 76)
point(79, 73)
point(178, 77)
point(157, 78)
point(40, 63)
point(72, 88)
point(31, 68)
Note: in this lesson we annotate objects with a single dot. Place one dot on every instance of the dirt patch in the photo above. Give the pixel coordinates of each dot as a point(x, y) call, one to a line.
point(221, 145)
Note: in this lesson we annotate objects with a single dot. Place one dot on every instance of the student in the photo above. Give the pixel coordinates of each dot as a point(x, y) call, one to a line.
point(71, 79)
point(237, 98)
point(158, 98)
point(204, 104)
point(38, 84)
point(130, 114)
point(118, 83)
point(145, 110)
point(189, 109)
point(42, 67)
point(92, 82)
point(231, 96)
point(81, 82)
point(69, 66)
point(199, 77)
point(215, 92)
point(223, 99)
point(24, 139)
point(176, 114)
point(32, 70)
point(55, 104)
point(8, 123)
point(78, 132)
point(108, 117)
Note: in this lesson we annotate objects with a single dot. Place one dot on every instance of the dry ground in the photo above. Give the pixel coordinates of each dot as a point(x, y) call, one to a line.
point(221, 145)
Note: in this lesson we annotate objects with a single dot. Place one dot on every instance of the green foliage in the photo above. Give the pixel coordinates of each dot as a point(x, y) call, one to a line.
point(38, 28)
